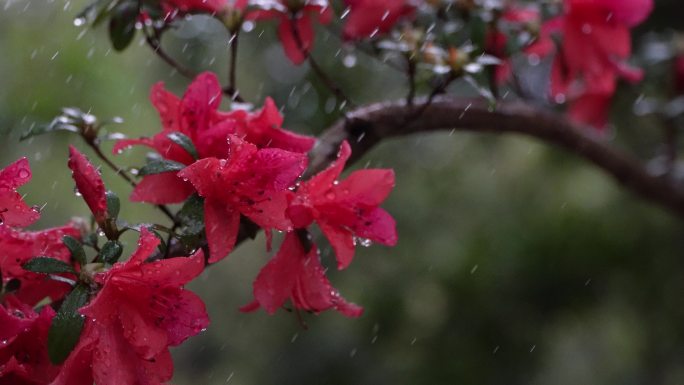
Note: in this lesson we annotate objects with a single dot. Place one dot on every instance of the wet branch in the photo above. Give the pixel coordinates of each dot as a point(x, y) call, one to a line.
point(381, 121)
point(369, 125)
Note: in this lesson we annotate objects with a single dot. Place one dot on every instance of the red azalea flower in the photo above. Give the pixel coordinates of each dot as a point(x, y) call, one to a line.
point(512, 20)
point(252, 182)
point(13, 210)
point(596, 44)
point(140, 311)
point(264, 129)
point(295, 274)
point(23, 345)
point(89, 184)
point(367, 18)
point(196, 116)
point(346, 209)
point(18, 247)
point(295, 16)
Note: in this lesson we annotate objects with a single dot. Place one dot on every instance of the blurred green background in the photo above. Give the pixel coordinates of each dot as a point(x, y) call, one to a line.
point(517, 263)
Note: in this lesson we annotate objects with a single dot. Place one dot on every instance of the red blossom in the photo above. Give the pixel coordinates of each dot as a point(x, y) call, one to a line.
point(13, 210)
point(512, 20)
point(295, 30)
point(23, 344)
point(140, 310)
point(368, 18)
point(346, 209)
point(595, 47)
point(89, 184)
point(252, 182)
point(196, 116)
point(299, 276)
point(18, 247)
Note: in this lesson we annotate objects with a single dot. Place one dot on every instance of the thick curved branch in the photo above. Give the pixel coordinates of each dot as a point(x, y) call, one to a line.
point(367, 126)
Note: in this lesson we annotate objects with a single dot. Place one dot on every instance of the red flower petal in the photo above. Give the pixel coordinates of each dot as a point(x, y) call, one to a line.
point(369, 17)
point(200, 102)
point(160, 189)
point(342, 241)
point(365, 187)
point(377, 226)
point(18, 247)
point(167, 105)
point(89, 183)
point(13, 210)
point(293, 273)
point(296, 47)
point(222, 224)
point(124, 144)
point(324, 179)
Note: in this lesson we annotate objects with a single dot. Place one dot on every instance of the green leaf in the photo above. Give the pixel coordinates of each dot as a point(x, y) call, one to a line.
point(191, 215)
point(160, 166)
point(67, 325)
point(95, 12)
point(113, 205)
point(111, 252)
point(122, 25)
point(76, 249)
point(478, 32)
point(185, 142)
point(48, 265)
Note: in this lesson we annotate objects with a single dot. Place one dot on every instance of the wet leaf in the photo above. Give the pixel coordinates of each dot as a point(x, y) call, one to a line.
point(185, 142)
point(122, 25)
point(191, 215)
point(113, 205)
point(75, 248)
point(111, 252)
point(48, 265)
point(160, 166)
point(67, 325)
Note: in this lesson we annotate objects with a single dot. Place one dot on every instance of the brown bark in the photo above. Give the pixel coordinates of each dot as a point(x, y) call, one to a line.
point(367, 126)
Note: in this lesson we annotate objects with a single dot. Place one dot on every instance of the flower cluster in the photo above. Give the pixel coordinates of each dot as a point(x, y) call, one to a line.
point(595, 46)
point(245, 166)
point(70, 317)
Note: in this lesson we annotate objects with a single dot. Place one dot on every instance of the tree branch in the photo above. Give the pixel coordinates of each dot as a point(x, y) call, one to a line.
point(367, 126)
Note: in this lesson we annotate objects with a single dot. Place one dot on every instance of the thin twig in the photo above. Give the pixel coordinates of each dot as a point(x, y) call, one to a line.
point(327, 81)
point(155, 44)
point(232, 67)
point(411, 71)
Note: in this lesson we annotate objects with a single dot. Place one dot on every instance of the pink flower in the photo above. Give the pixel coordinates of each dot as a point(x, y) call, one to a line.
point(18, 247)
point(89, 184)
point(595, 47)
point(13, 210)
point(297, 275)
point(295, 30)
point(252, 182)
point(513, 20)
point(140, 310)
point(346, 209)
point(196, 116)
point(23, 345)
point(367, 18)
